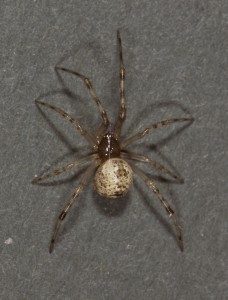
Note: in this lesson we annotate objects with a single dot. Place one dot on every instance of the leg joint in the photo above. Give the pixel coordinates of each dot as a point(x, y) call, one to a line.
point(122, 73)
point(169, 210)
point(62, 215)
point(87, 83)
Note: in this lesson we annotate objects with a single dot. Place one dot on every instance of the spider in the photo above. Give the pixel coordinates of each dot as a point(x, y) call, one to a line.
point(114, 171)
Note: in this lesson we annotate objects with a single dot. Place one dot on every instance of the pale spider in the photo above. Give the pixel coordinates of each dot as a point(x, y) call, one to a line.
point(114, 175)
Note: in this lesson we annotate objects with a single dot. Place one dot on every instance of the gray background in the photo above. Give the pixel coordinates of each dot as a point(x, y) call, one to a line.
point(176, 60)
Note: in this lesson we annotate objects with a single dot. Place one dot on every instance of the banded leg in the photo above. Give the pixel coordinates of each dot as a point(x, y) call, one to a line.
point(169, 210)
point(76, 193)
point(90, 139)
point(64, 168)
point(122, 112)
point(93, 94)
point(149, 129)
point(153, 163)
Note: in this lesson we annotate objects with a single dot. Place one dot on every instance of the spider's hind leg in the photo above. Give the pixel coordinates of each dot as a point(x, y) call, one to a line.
point(70, 203)
point(153, 163)
point(169, 210)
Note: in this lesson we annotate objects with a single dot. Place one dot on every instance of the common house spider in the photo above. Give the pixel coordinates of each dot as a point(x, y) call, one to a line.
point(109, 157)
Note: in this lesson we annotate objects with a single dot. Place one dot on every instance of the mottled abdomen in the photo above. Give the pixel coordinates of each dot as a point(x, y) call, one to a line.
point(113, 178)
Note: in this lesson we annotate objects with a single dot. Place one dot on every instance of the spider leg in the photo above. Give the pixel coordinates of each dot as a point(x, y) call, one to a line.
point(90, 139)
point(92, 92)
point(76, 193)
point(64, 168)
point(149, 129)
point(122, 112)
point(153, 163)
point(169, 210)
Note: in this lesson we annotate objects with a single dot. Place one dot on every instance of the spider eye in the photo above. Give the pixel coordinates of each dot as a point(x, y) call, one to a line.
point(113, 178)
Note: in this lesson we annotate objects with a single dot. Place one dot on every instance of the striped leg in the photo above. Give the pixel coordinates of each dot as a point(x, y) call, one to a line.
point(90, 139)
point(153, 163)
point(169, 210)
point(149, 129)
point(76, 193)
point(122, 112)
point(64, 168)
point(92, 92)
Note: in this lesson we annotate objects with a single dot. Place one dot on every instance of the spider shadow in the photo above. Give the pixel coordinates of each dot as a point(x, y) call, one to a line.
point(111, 207)
point(167, 162)
point(65, 90)
point(171, 136)
point(145, 112)
point(98, 55)
point(62, 137)
point(58, 133)
point(73, 96)
point(156, 147)
point(93, 46)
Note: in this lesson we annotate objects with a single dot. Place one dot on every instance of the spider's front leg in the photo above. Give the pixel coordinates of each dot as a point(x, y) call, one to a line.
point(90, 139)
point(93, 94)
point(149, 129)
point(169, 210)
point(63, 169)
point(122, 112)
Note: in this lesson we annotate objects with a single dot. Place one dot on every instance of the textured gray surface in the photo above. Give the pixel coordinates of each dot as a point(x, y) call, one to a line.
point(176, 60)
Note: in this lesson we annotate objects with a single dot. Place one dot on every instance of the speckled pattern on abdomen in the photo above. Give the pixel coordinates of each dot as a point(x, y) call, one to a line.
point(113, 178)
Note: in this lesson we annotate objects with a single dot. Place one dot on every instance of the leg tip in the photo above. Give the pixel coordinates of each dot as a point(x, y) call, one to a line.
point(39, 102)
point(51, 247)
point(191, 119)
point(59, 68)
point(181, 180)
point(181, 244)
point(34, 181)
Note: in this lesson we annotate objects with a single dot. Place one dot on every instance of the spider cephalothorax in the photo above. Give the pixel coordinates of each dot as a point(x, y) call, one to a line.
point(110, 160)
point(108, 147)
point(113, 178)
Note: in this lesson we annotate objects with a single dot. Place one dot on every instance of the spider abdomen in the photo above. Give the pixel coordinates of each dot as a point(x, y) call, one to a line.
point(113, 178)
